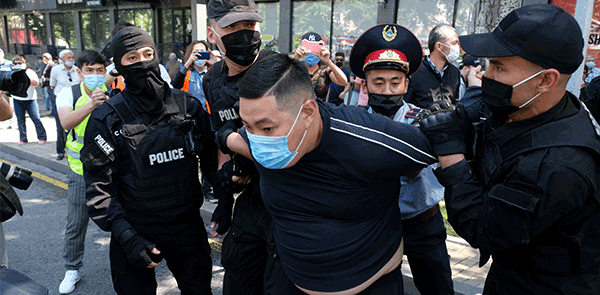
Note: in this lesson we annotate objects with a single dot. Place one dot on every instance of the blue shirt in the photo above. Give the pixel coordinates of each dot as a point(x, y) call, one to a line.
point(196, 86)
point(422, 192)
point(593, 73)
point(435, 68)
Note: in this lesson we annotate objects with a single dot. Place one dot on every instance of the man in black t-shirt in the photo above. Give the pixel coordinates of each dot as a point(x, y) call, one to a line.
point(329, 177)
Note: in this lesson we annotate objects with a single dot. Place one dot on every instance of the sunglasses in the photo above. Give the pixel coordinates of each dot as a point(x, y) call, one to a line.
point(339, 59)
point(69, 74)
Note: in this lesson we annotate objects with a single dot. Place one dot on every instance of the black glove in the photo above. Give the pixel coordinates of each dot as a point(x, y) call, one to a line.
point(230, 169)
point(221, 136)
point(445, 129)
point(222, 214)
point(138, 249)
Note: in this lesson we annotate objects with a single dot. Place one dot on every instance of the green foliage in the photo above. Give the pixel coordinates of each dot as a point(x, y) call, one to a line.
point(449, 230)
point(63, 29)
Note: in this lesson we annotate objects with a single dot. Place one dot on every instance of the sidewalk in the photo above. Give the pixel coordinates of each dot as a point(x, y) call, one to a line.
point(467, 276)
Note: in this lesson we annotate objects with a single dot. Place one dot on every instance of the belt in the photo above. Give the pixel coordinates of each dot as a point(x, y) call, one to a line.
point(424, 216)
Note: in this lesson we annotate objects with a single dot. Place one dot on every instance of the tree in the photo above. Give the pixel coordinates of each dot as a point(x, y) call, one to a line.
point(489, 13)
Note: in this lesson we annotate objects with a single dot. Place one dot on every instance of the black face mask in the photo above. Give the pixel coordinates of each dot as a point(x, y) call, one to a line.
point(386, 104)
point(242, 47)
point(339, 64)
point(496, 96)
point(144, 83)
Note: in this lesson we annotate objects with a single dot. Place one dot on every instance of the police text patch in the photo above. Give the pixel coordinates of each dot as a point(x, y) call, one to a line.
point(165, 157)
point(104, 145)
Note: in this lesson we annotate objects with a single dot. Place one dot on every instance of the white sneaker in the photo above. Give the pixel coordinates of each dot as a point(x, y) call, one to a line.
point(68, 284)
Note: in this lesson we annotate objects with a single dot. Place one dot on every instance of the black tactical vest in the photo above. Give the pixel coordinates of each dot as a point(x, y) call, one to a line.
point(161, 178)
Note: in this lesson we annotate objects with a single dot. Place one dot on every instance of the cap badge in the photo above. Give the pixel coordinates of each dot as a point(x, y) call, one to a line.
point(311, 38)
point(389, 33)
point(389, 55)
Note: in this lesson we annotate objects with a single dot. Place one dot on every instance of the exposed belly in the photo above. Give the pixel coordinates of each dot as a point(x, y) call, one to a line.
point(391, 265)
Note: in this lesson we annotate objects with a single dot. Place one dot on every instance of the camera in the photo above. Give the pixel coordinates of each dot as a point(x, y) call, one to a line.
point(16, 83)
point(17, 177)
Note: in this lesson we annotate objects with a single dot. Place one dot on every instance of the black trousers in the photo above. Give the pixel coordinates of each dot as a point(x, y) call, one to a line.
point(249, 252)
point(186, 252)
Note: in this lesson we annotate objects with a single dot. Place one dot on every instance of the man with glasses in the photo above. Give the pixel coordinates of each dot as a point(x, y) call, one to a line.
point(338, 92)
point(62, 76)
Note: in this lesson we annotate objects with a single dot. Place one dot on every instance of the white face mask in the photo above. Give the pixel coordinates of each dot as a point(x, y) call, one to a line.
point(453, 54)
point(18, 67)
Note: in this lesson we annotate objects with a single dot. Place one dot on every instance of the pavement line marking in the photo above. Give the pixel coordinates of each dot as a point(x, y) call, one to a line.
point(66, 186)
point(45, 178)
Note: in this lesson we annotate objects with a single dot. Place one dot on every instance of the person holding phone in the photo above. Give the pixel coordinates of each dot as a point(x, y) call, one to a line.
point(75, 104)
point(321, 69)
point(198, 59)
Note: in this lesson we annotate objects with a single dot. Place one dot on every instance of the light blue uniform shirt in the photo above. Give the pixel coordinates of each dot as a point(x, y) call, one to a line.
point(424, 191)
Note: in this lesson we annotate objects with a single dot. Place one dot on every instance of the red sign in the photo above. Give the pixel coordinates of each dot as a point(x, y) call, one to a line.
point(593, 39)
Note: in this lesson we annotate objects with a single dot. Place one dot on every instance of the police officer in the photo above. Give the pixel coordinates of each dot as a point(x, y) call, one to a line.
point(530, 199)
point(385, 56)
point(142, 175)
point(248, 248)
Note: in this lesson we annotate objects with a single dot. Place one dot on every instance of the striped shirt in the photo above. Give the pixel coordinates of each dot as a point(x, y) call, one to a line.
point(335, 212)
point(61, 78)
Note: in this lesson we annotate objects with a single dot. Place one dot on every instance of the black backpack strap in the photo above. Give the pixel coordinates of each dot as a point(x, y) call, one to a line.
point(76, 89)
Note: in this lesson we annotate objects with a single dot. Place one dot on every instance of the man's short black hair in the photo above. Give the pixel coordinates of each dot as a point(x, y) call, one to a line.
point(340, 54)
point(281, 76)
point(90, 57)
point(436, 35)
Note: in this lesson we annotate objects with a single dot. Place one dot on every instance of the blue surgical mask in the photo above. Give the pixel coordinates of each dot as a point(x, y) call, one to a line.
point(311, 59)
point(93, 81)
point(590, 64)
point(69, 63)
point(18, 67)
point(273, 152)
point(172, 57)
point(200, 62)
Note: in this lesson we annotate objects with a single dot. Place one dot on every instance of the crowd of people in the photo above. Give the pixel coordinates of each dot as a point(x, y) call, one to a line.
point(325, 176)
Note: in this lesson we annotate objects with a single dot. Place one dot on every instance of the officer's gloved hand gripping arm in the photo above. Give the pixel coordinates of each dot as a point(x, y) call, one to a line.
point(102, 197)
point(520, 204)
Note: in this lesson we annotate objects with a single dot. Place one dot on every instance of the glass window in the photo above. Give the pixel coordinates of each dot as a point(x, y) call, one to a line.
point(95, 29)
point(420, 16)
point(141, 18)
point(16, 29)
point(63, 30)
point(465, 17)
point(177, 31)
point(350, 19)
point(37, 29)
point(269, 28)
point(311, 16)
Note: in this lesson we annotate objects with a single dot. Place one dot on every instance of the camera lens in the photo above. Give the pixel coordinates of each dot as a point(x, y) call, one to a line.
point(17, 177)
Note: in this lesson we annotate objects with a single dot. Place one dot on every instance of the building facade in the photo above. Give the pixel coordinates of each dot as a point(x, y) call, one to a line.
point(32, 27)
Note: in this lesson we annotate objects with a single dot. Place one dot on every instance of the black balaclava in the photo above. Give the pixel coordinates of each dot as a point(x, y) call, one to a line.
point(143, 81)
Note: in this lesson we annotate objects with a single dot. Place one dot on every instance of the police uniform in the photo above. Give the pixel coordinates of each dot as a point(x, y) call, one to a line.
point(530, 198)
point(143, 182)
point(393, 47)
point(249, 248)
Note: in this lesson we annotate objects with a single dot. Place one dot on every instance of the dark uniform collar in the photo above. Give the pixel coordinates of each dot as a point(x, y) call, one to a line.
point(566, 107)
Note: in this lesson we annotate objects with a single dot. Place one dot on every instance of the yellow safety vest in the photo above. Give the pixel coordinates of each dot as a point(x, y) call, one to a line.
point(74, 145)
